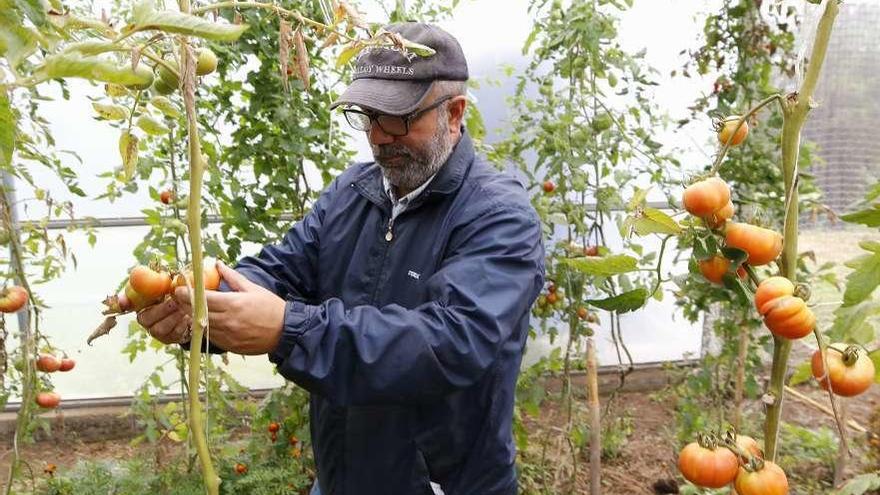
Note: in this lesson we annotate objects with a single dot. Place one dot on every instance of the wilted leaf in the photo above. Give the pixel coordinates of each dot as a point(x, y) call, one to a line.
point(146, 18)
point(622, 303)
point(654, 221)
point(603, 265)
point(128, 150)
point(110, 112)
point(302, 58)
point(152, 126)
point(284, 53)
point(7, 129)
point(93, 69)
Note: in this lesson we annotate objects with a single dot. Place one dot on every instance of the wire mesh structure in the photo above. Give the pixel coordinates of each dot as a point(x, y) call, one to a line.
point(845, 124)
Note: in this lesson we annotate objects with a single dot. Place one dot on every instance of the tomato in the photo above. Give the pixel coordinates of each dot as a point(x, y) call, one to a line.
point(241, 468)
point(582, 313)
point(50, 469)
point(149, 283)
point(710, 468)
point(135, 300)
point(720, 217)
point(726, 128)
point(292, 440)
point(772, 288)
point(591, 250)
point(167, 76)
point(552, 298)
point(706, 197)
point(48, 400)
point(750, 445)
point(166, 197)
point(769, 480)
point(210, 275)
point(48, 363)
point(850, 371)
point(784, 314)
point(12, 299)
point(549, 186)
point(274, 427)
point(67, 364)
point(762, 245)
point(206, 61)
point(715, 267)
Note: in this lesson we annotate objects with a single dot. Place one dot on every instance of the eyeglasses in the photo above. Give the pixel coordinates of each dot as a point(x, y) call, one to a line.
point(393, 125)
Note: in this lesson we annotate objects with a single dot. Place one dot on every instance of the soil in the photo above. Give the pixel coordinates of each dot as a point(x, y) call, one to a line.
point(647, 458)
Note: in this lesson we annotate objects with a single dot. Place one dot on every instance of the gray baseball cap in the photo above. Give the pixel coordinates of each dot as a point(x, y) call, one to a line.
point(393, 81)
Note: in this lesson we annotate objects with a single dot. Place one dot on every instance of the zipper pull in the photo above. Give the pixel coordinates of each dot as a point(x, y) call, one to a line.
point(389, 235)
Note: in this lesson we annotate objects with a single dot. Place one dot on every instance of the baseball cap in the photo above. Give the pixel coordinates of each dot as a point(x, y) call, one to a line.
point(394, 81)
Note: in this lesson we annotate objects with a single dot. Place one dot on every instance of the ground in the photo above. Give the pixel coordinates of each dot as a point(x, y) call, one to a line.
point(647, 456)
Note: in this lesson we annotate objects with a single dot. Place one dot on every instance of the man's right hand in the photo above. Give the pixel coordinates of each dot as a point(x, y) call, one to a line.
point(166, 322)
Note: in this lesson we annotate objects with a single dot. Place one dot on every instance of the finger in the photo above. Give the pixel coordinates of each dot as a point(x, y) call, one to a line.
point(164, 330)
point(150, 315)
point(180, 330)
point(235, 280)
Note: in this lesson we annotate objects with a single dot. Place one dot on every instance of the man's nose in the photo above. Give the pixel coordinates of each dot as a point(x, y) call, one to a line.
point(377, 136)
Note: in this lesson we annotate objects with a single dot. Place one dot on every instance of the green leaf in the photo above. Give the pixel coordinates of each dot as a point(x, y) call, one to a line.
point(17, 42)
point(145, 18)
point(128, 150)
point(875, 358)
point(418, 48)
point(853, 323)
point(638, 199)
point(35, 10)
point(869, 217)
point(152, 126)
point(603, 265)
point(802, 373)
point(860, 485)
point(350, 50)
point(622, 303)
point(165, 106)
point(91, 47)
point(7, 129)
point(93, 69)
point(655, 221)
point(736, 256)
point(863, 280)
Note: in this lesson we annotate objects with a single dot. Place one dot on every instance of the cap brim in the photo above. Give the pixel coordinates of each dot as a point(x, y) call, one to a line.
point(385, 96)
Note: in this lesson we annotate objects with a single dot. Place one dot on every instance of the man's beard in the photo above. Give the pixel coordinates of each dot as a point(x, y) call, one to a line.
point(415, 165)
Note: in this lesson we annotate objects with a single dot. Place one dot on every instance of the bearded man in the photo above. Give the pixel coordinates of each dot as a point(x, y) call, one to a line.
point(401, 301)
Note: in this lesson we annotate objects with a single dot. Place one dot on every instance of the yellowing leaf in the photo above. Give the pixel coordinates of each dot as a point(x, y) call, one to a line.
point(145, 18)
point(110, 112)
point(128, 150)
point(350, 51)
point(165, 106)
point(93, 69)
point(152, 126)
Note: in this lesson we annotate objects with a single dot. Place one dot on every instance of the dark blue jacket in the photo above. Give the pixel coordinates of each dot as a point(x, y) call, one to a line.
point(409, 336)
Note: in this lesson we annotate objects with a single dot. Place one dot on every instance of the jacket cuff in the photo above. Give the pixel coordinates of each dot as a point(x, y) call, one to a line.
point(297, 316)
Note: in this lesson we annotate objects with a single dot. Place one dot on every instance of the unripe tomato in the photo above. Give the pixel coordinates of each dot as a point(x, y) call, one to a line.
point(167, 76)
point(67, 364)
point(715, 267)
point(720, 217)
point(149, 283)
point(210, 276)
point(750, 445)
point(206, 61)
point(48, 363)
point(706, 197)
point(709, 468)
point(726, 131)
point(850, 371)
point(769, 480)
point(12, 299)
point(48, 400)
point(241, 468)
point(549, 186)
point(762, 245)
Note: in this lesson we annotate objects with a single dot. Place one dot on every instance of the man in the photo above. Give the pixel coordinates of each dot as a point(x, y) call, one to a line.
point(401, 301)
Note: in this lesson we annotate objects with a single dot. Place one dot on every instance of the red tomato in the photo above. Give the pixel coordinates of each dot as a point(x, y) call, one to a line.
point(549, 186)
point(210, 275)
point(48, 363)
point(67, 364)
point(48, 400)
point(850, 370)
point(709, 468)
point(12, 299)
point(750, 445)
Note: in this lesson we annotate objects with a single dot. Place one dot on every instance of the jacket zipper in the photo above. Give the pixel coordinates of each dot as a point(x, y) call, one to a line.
point(389, 235)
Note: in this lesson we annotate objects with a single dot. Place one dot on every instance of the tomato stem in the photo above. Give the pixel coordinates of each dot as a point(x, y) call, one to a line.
point(838, 418)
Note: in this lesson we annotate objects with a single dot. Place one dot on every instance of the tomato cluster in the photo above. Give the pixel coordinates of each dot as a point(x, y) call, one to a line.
point(147, 285)
point(740, 461)
point(552, 299)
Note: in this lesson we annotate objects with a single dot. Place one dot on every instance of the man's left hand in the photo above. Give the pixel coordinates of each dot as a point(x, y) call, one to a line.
point(246, 321)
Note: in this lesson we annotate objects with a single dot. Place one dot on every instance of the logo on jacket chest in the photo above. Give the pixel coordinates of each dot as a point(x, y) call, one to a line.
point(414, 275)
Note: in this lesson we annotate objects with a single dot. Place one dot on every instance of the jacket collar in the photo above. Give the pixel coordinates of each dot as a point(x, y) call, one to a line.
point(448, 179)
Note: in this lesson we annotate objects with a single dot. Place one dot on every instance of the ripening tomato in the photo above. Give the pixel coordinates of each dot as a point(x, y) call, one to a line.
point(591, 250)
point(149, 283)
point(582, 313)
point(715, 267)
point(706, 197)
point(726, 131)
point(12, 299)
point(210, 275)
point(274, 427)
point(549, 186)
point(720, 217)
point(241, 468)
point(762, 245)
point(134, 300)
point(552, 298)
point(769, 480)
point(784, 314)
point(710, 468)
point(48, 400)
point(850, 370)
point(750, 445)
point(67, 364)
point(166, 196)
point(48, 363)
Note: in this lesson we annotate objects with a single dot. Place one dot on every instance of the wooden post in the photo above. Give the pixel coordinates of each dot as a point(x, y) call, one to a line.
point(595, 420)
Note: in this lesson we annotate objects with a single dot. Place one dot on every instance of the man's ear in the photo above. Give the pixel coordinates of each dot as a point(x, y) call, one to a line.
point(456, 108)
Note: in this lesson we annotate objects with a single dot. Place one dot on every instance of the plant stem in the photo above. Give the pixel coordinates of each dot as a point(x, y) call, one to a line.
point(199, 303)
point(794, 109)
point(595, 420)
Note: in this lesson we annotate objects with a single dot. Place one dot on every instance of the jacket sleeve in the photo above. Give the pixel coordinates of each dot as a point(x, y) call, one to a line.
point(479, 296)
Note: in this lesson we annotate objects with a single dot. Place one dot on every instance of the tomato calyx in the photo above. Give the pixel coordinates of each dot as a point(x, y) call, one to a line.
point(850, 355)
point(754, 464)
point(802, 291)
